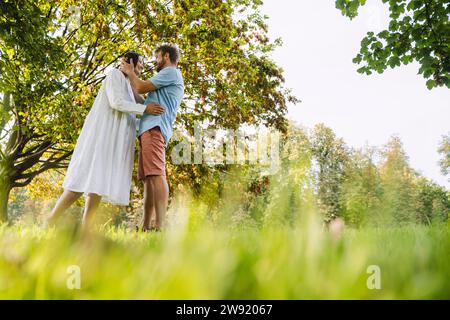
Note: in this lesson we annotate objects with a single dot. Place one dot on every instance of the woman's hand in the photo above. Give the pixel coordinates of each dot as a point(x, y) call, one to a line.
point(154, 109)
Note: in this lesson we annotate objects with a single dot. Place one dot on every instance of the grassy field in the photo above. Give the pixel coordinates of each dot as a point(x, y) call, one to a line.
point(202, 262)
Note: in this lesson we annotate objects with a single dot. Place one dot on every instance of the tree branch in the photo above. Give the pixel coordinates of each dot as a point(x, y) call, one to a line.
point(29, 176)
point(32, 159)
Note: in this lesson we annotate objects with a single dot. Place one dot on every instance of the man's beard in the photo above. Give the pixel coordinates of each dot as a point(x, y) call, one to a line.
point(160, 66)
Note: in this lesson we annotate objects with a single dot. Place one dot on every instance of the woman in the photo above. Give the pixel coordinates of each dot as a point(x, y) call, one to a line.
point(102, 161)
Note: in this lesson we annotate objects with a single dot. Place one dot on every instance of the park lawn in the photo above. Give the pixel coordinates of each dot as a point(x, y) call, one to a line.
point(219, 263)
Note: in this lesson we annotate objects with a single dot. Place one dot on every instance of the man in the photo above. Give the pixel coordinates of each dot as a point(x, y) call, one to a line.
point(102, 162)
point(167, 89)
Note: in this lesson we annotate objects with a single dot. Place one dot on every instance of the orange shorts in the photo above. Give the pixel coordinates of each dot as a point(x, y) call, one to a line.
point(152, 154)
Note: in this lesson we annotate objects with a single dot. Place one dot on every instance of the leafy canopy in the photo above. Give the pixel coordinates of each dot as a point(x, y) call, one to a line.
point(419, 30)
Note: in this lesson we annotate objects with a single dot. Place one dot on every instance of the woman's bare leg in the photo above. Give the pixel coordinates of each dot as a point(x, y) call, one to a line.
point(64, 202)
point(92, 203)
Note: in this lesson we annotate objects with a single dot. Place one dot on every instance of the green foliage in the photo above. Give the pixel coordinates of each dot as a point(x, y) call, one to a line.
point(398, 184)
point(433, 203)
point(419, 30)
point(53, 57)
point(362, 189)
point(331, 156)
point(444, 150)
point(290, 193)
point(389, 192)
point(373, 186)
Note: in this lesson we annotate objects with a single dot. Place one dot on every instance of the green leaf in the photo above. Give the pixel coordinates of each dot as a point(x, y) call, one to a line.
point(431, 84)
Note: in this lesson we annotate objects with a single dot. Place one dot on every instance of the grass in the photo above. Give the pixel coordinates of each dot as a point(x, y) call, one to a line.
point(204, 262)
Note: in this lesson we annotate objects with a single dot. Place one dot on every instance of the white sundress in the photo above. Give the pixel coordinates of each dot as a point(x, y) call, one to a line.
point(102, 161)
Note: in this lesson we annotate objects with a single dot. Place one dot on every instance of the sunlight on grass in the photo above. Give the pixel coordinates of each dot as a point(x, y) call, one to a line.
point(299, 262)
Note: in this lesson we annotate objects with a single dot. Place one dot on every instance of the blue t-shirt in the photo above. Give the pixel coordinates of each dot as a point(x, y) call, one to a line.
point(170, 85)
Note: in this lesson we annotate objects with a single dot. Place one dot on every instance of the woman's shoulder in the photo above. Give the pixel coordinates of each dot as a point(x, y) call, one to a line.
point(116, 74)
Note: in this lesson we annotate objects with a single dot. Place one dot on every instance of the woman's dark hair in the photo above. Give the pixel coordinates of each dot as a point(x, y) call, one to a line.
point(130, 55)
point(171, 49)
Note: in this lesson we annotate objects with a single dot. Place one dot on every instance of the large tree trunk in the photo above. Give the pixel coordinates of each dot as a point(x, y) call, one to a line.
point(5, 185)
point(5, 189)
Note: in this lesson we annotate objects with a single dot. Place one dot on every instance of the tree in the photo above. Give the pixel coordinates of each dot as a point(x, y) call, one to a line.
point(361, 188)
point(398, 182)
point(444, 150)
point(25, 51)
point(291, 197)
point(53, 56)
point(433, 203)
point(330, 155)
point(419, 30)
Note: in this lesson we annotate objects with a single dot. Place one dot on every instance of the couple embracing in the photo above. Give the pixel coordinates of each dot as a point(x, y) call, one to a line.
point(102, 162)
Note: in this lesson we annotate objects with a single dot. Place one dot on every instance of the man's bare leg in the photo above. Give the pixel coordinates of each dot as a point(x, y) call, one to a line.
point(92, 203)
point(149, 204)
point(161, 196)
point(64, 202)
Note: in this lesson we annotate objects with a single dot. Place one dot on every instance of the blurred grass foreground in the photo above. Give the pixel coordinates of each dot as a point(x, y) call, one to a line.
point(298, 262)
point(350, 229)
point(331, 222)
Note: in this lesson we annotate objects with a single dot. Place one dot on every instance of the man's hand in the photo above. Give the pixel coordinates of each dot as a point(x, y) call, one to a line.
point(141, 86)
point(127, 68)
point(154, 109)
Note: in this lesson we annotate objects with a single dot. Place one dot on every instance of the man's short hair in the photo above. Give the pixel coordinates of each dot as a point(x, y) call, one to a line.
point(171, 49)
point(131, 55)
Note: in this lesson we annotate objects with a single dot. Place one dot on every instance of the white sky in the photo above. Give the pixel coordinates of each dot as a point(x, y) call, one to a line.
point(318, 47)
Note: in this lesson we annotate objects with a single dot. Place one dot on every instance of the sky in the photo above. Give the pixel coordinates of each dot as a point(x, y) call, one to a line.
point(318, 47)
